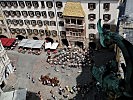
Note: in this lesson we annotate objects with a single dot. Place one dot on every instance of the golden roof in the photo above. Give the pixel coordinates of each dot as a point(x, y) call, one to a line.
point(73, 9)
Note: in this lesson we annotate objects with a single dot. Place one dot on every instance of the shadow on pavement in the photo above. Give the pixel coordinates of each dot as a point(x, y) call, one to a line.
point(85, 80)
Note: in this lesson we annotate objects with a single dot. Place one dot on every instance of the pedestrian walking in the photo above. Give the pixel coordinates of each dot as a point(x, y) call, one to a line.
point(33, 81)
point(28, 75)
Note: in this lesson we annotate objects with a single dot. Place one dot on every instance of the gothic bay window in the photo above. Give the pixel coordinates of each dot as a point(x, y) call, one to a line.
point(21, 4)
point(28, 4)
point(91, 26)
point(42, 4)
point(35, 4)
point(91, 6)
point(58, 4)
point(51, 14)
point(59, 14)
point(61, 23)
point(49, 4)
point(44, 14)
point(91, 17)
point(106, 17)
point(106, 6)
point(91, 36)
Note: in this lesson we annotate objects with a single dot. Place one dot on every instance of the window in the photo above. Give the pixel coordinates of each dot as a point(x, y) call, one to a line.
point(61, 23)
point(27, 22)
point(17, 30)
point(3, 3)
point(9, 4)
point(91, 6)
point(62, 33)
point(46, 22)
point(106, 17)
point(14, 4)
point(51, 14)
point(54, 33)
point(73, 21)
point(67, 21)
point(44, 14)
point(31, 13)
point(42, 4)
point(58, 4)
point(33, 22)
point(28, 4)
point(35, 4)
point(38, 13)
point(59, 14)
point(20, 22)
point(29, 31)
point(41, 31)
point(24, 13)
point(91, 17)
point(91, 26)
point(49, 4)
point(6, 13)
point(106, 6)
point(21, 4)
point(52, 23)
point(12, 13)
point(91, 36)
point(35, 31)
point(48, 33)
point(12, 30)
point(18, 14)
point(15, 22)
point(9, 21)
point(23, 31)
point(39, 23)
point(79, 22)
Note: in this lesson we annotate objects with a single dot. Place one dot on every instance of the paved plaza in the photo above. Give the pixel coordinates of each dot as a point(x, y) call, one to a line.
point(36, 65)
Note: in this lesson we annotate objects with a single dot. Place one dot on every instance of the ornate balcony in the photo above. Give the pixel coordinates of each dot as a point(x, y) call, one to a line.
point(75, 26)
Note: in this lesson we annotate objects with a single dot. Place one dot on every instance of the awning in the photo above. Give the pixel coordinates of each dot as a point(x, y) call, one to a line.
point(48, 45)
point(73, 9)
point(22, 43)
point(38, 44)
point(54, 46)
point(10, 42)
point(4, 41)
point(7, 41)
point(29, 43)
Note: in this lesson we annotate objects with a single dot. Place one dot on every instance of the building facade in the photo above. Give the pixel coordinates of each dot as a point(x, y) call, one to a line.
point(5, 66)
point(71, 22)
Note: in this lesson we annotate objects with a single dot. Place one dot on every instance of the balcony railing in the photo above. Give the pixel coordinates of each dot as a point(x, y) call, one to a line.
point(75, 26)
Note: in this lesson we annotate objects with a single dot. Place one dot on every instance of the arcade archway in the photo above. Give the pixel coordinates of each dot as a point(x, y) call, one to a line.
point(65, 42)
point(48, 39)
point(20, 37)
point(35, 38)
point(92, 45)
point(79, 44)
point(3, 36)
